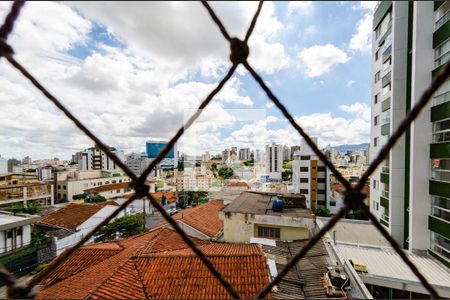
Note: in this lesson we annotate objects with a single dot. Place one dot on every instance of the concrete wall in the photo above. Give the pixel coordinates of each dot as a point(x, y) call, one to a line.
point(6, 245)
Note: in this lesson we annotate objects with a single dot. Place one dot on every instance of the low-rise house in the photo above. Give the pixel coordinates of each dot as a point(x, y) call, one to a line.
point(109, 191)
point(157, 265)
point(69, 224)
point(253, 214)
point(15, 231)
point(202, 221)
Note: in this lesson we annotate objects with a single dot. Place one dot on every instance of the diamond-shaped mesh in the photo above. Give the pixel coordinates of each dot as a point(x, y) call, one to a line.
point(239, 53)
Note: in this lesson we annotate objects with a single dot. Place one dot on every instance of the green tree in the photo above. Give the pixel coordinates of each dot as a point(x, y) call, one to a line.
point(163, 200)
point(79, 196)
point(359, 215)
point(321, 211)
point(122, 227)
point(225, 173)
point(20, 208)
point(97, 199)
point(214, 166)
point(286, 174)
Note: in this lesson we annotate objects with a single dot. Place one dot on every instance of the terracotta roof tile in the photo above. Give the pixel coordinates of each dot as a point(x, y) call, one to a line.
point(70, 216)
point(204, 218)
point(150, 266)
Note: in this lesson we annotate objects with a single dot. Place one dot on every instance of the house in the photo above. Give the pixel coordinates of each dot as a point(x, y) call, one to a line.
point(201, 221)
point(158, 265)
point(15, 231)
point(109, 191)
point(252, 214)
point(69, 224)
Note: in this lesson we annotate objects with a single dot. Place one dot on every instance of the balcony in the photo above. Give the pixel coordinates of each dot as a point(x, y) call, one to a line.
point(385, 194)
point(385, 129)
point(384, 178)
point(439, 188)
point(386, 53)
point(384, 202)
point(385, 169)
point(442, 98)
point(386, 79)
point(440, 150)
point(384, 220)
point(439, 226)
point(386, 104)
point(441, 34)
point(439, 23)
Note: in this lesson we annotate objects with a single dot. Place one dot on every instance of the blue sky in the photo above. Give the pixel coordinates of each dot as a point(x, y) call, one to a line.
point(132, 71)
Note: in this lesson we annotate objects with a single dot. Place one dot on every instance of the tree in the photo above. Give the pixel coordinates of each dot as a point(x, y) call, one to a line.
point(20, 208)
point(122, 227)
point(286, 174)
point(226, 173)
point(163, 200)
point(359, 214)
point(213, 166)
point(321, 211)
point(97, 199)
point(79, 196)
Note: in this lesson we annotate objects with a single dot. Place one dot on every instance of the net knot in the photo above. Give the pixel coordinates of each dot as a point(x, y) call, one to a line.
point(5, 49)
point(354, 199)
point(19, 291)
point(239, 51)
point(140, 188)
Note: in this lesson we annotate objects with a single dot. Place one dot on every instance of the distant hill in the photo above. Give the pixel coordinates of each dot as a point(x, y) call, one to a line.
point(345, 148)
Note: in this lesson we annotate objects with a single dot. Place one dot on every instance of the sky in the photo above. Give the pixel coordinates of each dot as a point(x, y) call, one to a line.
point(134, 71)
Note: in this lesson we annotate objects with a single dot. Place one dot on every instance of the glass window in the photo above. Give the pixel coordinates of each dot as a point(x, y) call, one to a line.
point(377, 76)
point(375, 120)
point(321, 192)
point(305, 157)
point(376, 55)
point(269, 232)
point(442, 54)
point(303, 169)
point(376, 98)
point(304, 191)
point(320, 169)
point(321, 180)
point(19, 231)
point(375, 142)
point(387, 89)
point(304, 180)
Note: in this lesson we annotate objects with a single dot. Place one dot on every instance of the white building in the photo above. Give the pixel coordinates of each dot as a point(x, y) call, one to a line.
point(410, 192)
point(274, 161)
point(244, 154)
point(206, 157)
point(95, 159)
point(27, 160)
point(137, 162)
point(191, 180)
point(15, 231)
point(3, 165)
point(69, 184)
point(44, 173)
point(309, 176)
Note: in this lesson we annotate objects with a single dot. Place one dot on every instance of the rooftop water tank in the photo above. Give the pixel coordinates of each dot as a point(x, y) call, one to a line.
point(277, 204)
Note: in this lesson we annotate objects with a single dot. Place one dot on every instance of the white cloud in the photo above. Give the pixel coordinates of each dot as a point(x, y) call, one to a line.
point(350, 83)
point(270, 104)
point(300, 7)
point(362, 40)
point(365, 5)
point(319, 59)
point(271, 119)
point(358, 109)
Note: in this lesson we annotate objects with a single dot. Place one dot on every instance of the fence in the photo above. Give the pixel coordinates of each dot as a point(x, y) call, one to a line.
point(239, 52)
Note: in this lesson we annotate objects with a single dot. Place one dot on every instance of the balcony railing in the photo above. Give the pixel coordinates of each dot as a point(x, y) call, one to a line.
point(441, 98)
point(442, 136)
point(385, 194)
point(442, 59)
point(442, 20)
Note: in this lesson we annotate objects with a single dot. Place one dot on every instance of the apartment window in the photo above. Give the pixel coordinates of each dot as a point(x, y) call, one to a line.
point(332, 203)
point(376, 120)
point(117, 191)
point(387, 64)
point(441, 131)
point(9, 234)
point(303, 169)
point(387, 89)
point(304, 191)
point(377, 76)
point(375, 184)
point(376, 54)
point(442, 54)
point(269, 232)
point(320, 169)
point(321, 192)
point(378, 207)
point(321, 180)
point(64, 187)
point(19, 231)
point(305, 157)
point(375, 142)
point(376, 98)
point(377, 32)
point(304, 180)
point(59, 187)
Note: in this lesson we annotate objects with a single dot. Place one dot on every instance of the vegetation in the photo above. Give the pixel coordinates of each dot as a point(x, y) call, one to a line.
point(250, 162)
point(122, 227)
point(214, 166)
point(286, 175)
point(20, 208)
point(96, 199)
point(79, 196)
point(321, 211)
point(192, 198)
point(38, 269)
point(39, 239)
point(359, 215)
point(225, 173)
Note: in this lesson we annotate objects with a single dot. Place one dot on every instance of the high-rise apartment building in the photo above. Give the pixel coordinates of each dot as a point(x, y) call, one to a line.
point(95, 159)
point(410, 192)
point(244, 154)
point(274, 160)
point(309, 176)
point(137, 162)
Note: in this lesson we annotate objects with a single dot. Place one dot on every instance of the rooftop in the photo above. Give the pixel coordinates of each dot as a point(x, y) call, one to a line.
point(109, 187)
point(71, 216)
point(261, 204)
point(156, 264)
point(303, 281)
point(8, 220)
point(204, 218)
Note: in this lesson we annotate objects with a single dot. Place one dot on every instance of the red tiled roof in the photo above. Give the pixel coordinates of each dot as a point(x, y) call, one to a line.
point(238, 183)
point(341, 189)
point(108, 187)
point(204, 217)
point(151, 265)
point(70, 216)
point(170, 196)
